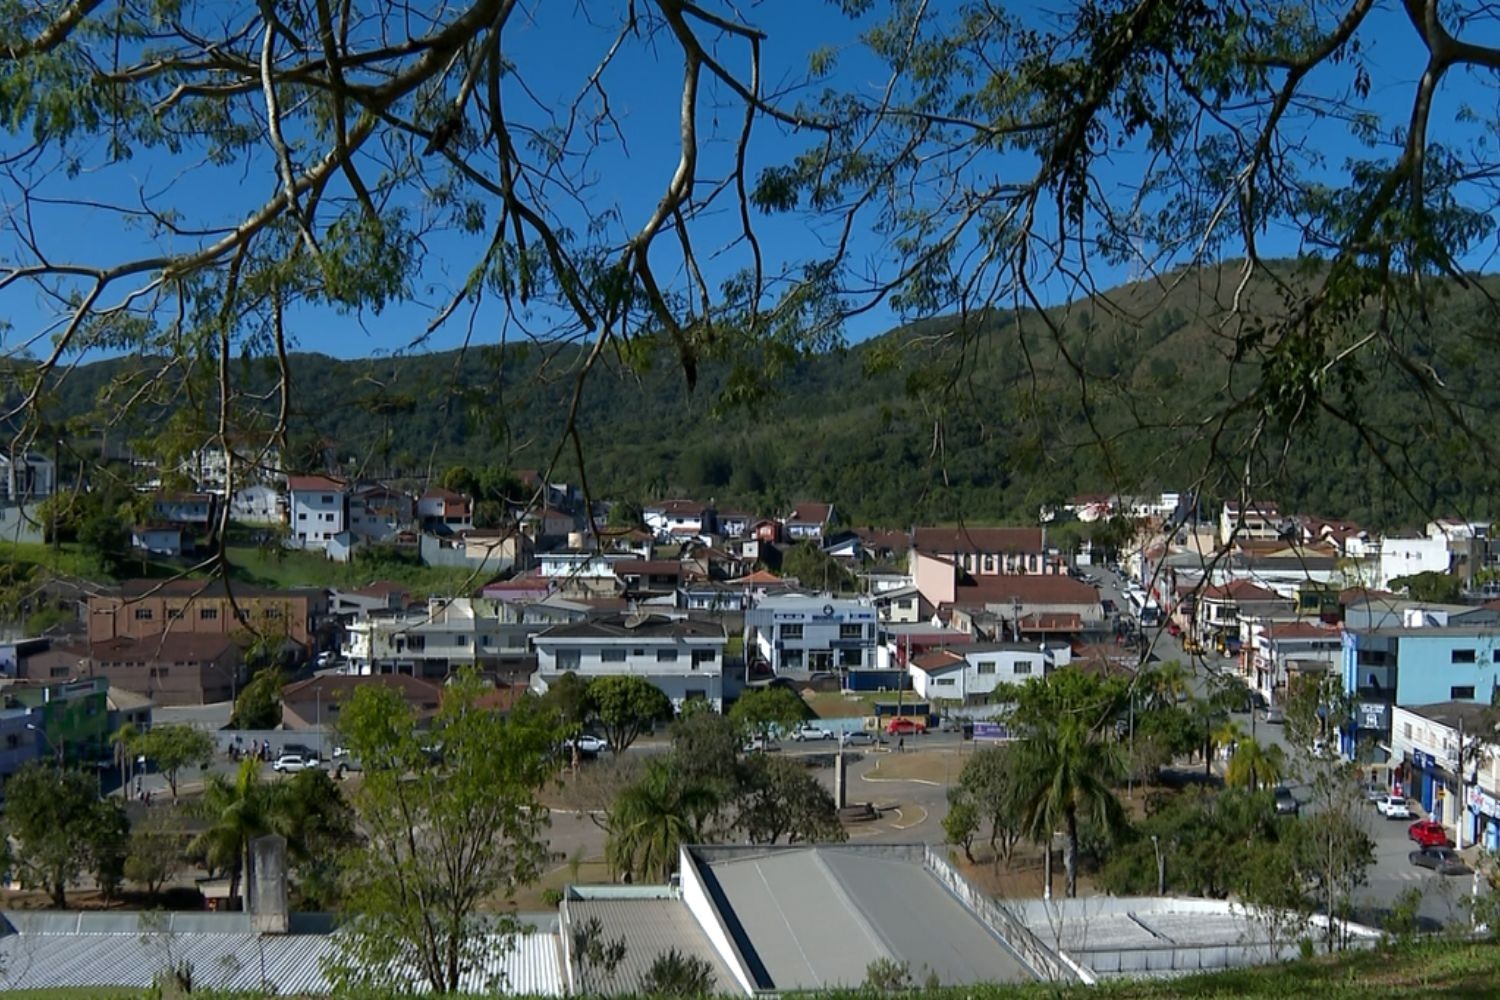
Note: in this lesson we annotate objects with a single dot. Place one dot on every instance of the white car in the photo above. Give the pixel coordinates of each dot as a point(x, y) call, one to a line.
point(808, 731)
point(1393, 807)
point(588, 745)
point(291, 763)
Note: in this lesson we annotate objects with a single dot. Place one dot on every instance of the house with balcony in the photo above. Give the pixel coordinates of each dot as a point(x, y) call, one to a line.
point(257, 504)
point(798, 633)
point(159, 540)
point(668, 519)
point(1258, 520)
point(444, 509)
point(317, 510)
point(684, 658)
point(435, 642)
point(27, 477)
point(734, 523)
point(189, 510)
point(1219, 609)
point(377, 513)
point(1276, 648)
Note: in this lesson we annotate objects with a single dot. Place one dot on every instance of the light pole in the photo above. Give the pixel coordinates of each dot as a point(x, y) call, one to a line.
point(52, 749)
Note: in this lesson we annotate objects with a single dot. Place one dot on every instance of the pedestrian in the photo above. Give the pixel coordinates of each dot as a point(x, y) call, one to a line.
point(900, 744)
point(137, 787)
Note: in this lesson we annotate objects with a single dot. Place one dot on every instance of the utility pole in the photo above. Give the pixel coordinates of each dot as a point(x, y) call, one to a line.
point(1458, 819)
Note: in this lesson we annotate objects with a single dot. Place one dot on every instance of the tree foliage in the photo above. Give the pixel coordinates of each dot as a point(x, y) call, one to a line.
point(653, 818)
point(780, 801)
point(626, 705)
point(767, 711)
point(62, 828)
point(259, 703)
point(174, 747)
point(443, 838)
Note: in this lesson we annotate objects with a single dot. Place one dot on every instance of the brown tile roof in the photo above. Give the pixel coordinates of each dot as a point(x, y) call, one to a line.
point(759, 576)
point(1029, 589)
point(1300, 630)
point(1240, 590)
point(977, 540)
point(1052, 622)
point(383, 588)
point(193, 646)
point(810, 513)
point(198, 588)
point(938, 659)
point(648, 567)
point(334, 688)
point(682, 507)
point(314, 484)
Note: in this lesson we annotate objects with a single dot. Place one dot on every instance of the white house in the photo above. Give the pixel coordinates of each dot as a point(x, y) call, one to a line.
point(196, 509)
point(318, 509)
point(679, 518)
point(445, 507)
point(209, 466)
point(157, 539)
point(257, 504)
point(969, 675)
point(26, 477)
point(1258, 520)
point(808, 521)
point(798, 632)
point(685, 659)
point(1407, 556)
point(449, 634)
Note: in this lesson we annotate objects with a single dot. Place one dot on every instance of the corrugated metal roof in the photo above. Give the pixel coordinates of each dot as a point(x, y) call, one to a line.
point(815, 918)
point(649, 928)
point(130, 949)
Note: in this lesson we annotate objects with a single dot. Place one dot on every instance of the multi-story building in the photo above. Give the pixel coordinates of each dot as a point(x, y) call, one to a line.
point(1425, 753)
point(173, 668)
point(440, 507)
point(679, 518)
point(815, 634)
point(142, 609)
point(254, 462)
point(26, 477)
point(1275, 646)
point(809, 521)
point(193, 510)
point(434, 643)
point(257, 504)
point(65, 720)
point(1258, 520)
point(376, 513)
point(684, 658)
point(317, 509)
point(988, 551)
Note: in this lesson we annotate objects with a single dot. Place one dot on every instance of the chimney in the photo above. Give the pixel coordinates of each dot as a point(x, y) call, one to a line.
point(265, 885)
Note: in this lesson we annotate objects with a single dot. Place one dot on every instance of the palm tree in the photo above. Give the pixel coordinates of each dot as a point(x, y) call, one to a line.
point(1227, 734)
point(1167, 684)
point(652, 818)
point(1255, 765)
point(123, 741)
point(1068, 770)
point(237, 811)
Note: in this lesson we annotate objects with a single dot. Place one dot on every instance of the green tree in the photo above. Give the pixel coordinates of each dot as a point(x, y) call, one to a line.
point(1069, 771)
point(706, 751)
point(440, 840)
point(157, 846)
point(626, 705)
point(1431, 586)
point(174, 747)
point(816, 569)
point(1255, 765)
point(653, 818)
point(108, 846)
point(236, 810)
point(259, 703)
point(991, 782)
point(56, 818)
point(780, 799)
point(310, 811)
point(765, 712)
point(673, 974)
point(961, 824)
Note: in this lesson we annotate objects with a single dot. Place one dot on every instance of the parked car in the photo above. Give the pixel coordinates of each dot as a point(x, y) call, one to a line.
point(346, 765)
point(759, 744)
point(1274, 715)
point(904, 726)
point(1109, 607)
point(859, 738)
point(291, 763)
point(1443, 860)
point(1428, 833)
point(1374, 793)
point(1286, 802)
point(1393, 807)
point(328, 658)
point(811, 731)
point(588, 745)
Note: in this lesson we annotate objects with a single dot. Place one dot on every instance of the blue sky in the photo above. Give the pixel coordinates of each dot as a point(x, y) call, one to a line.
point(554, 49)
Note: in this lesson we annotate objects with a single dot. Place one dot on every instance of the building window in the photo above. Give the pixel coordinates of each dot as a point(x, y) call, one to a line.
point(1463, 656)
point(58, 672)
point(143, 614)
point(1022, 668)
point(702, 657)
point(986, 668)
point(854, 631)
point(1406, 730)
point(302, 516)
point(851, 658)
point(1465, 693)
point(905, 605)
point(326, 498)
point(160, 672)
point(463, 640)
point(208, 614)
point(791, 631)
point(792, 658)
point(666, 656)
point(989, 564)
point(944, 681)
point(612, 655)
point(568, 659)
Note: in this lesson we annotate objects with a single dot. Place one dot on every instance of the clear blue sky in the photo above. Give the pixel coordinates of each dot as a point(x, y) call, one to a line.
point(554, 49)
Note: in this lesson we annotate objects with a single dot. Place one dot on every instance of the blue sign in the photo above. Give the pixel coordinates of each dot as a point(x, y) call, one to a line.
point(991, 731)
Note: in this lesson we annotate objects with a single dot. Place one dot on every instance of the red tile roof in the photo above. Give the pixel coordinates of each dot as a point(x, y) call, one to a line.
point(314, 484)
point(1052, 622)
point(759, 576)
point(977, 540)
point(1300, 630)
point(938, 659)
point(1028, 589)
point(810, 513)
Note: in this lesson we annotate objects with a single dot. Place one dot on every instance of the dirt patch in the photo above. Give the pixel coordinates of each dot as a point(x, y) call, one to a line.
point(591, 872)
point(938, 767)
point(1021, 877)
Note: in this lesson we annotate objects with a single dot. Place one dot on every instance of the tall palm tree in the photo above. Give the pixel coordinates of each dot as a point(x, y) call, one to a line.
point(238, 811)
point(1226, 734)
point(1167, 684)
point(1255, 765)
point(652, 818)
point(123, 742)
point(1068, 769)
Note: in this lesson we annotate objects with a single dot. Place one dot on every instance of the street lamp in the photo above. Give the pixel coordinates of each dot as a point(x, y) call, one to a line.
point(55, 751)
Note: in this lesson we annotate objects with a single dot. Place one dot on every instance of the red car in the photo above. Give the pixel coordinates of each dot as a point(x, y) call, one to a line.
point(1428, 833)
point(904, 726)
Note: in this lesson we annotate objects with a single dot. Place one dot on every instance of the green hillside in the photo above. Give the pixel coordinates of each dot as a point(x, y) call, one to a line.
point(1155, 385)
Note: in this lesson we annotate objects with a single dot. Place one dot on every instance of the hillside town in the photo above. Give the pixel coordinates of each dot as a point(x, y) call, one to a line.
point(1342, 645)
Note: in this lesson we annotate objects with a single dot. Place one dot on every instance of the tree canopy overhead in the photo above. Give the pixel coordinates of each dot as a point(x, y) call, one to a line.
point(249, 175)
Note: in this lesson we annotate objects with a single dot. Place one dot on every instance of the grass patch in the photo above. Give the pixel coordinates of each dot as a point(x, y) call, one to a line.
point(937, 766)
point(293, 568)
point(836, 705)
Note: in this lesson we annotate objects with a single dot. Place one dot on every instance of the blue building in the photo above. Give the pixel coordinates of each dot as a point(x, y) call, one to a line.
point(1418, 665)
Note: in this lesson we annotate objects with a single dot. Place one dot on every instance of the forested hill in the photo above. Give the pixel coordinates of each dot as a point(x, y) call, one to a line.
point(985, 419)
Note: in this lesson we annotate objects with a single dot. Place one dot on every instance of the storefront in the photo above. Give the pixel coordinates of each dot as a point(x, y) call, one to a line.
point(1484, 813)
point(1433, 786)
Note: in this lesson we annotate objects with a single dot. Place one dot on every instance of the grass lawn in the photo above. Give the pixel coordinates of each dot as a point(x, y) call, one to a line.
point(836, 705)
point(291, 568)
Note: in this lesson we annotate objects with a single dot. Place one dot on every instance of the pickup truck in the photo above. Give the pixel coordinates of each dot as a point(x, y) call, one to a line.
point(810, 731)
